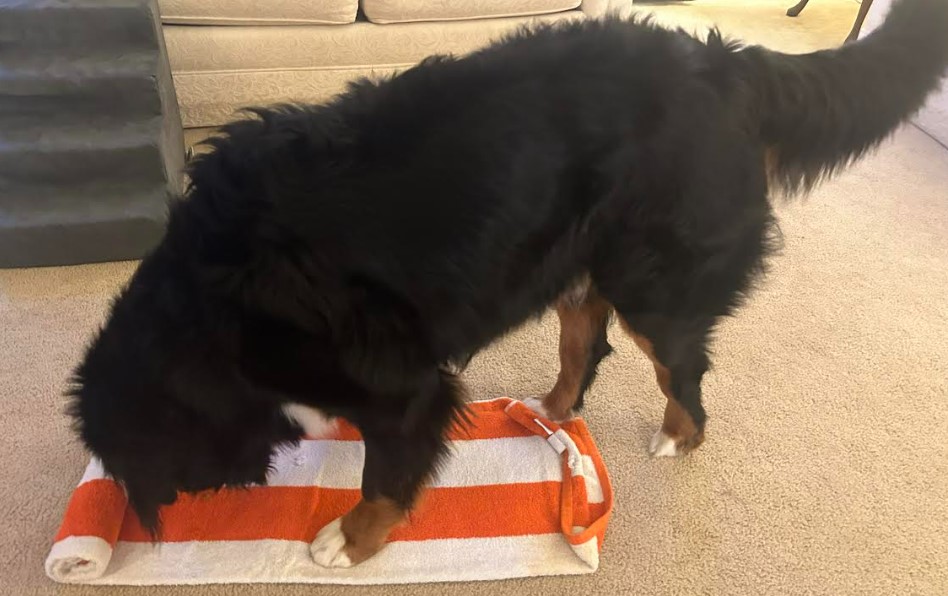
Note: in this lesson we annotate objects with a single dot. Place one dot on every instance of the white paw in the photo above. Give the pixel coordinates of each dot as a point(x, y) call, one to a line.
point(327, 549)
point(536, 404)
point(662, 445)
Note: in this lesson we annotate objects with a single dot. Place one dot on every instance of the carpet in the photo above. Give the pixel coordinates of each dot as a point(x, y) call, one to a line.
point(826, 465)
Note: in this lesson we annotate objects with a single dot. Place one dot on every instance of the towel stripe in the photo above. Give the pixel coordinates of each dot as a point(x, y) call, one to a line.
point(471, 463)
point(297, 513)
point(272, 561)
point(488, 420)
point(95, 509)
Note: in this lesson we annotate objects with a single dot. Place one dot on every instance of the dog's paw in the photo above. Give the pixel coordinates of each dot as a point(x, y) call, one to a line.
point(328, 549)
point(662, 445)
point(536, 404)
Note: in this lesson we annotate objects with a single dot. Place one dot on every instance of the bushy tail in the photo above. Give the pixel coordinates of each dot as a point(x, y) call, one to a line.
point(818, 112)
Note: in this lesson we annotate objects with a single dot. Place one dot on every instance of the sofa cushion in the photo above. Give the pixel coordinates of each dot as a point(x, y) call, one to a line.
point(218, 70)
point(405, 11)
point(219, 49)
point(254, 12)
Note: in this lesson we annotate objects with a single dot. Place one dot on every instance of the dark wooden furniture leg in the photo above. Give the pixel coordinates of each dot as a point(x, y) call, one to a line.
point(797, 9)
point(860, 18)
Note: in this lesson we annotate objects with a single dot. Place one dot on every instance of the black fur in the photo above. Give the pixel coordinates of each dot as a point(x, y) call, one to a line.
point(341, 255)
point(823, 110)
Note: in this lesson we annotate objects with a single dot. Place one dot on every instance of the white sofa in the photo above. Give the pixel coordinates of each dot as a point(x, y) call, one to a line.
point(228, 54)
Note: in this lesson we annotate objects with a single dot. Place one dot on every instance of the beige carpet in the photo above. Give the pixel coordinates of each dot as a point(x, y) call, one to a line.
point(826, 466)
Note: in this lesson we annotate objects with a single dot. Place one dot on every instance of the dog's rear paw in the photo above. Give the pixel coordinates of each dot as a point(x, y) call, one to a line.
point(662, 445)
point(665, 445)
point(536, 404)
point(329, 547)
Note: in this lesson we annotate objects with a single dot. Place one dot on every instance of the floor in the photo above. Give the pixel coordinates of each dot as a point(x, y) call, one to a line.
point(826, 465)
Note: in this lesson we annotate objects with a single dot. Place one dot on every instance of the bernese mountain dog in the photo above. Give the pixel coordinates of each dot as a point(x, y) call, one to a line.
point(342, 260)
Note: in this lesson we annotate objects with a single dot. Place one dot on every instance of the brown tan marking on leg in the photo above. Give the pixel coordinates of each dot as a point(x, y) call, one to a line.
point(581, 323)
point(357, 535)
point(368, 525)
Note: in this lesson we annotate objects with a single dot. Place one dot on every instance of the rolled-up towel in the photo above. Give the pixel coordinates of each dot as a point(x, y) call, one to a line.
point(519, 496)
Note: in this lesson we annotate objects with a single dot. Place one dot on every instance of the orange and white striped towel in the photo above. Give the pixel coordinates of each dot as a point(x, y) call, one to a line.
point(520, 496)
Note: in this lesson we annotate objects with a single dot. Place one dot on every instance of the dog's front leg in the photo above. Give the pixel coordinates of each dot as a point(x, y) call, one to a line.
point(397, 464)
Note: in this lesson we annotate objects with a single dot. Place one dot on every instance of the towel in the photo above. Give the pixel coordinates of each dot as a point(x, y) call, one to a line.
point(519, 496)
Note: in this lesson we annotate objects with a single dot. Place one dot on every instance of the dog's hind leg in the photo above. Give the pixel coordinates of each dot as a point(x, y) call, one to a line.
point(678, 351)
point(584, 318)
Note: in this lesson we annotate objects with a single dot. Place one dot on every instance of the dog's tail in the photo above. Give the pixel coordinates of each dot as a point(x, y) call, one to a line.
point(818, 112)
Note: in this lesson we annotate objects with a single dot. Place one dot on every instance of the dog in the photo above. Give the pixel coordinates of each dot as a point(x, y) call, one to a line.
point(338, 260)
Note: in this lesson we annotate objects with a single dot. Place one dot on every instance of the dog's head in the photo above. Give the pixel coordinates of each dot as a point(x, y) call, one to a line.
point(156, 446)
point(183, 388)
point(234, 314)
point(161, 400)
